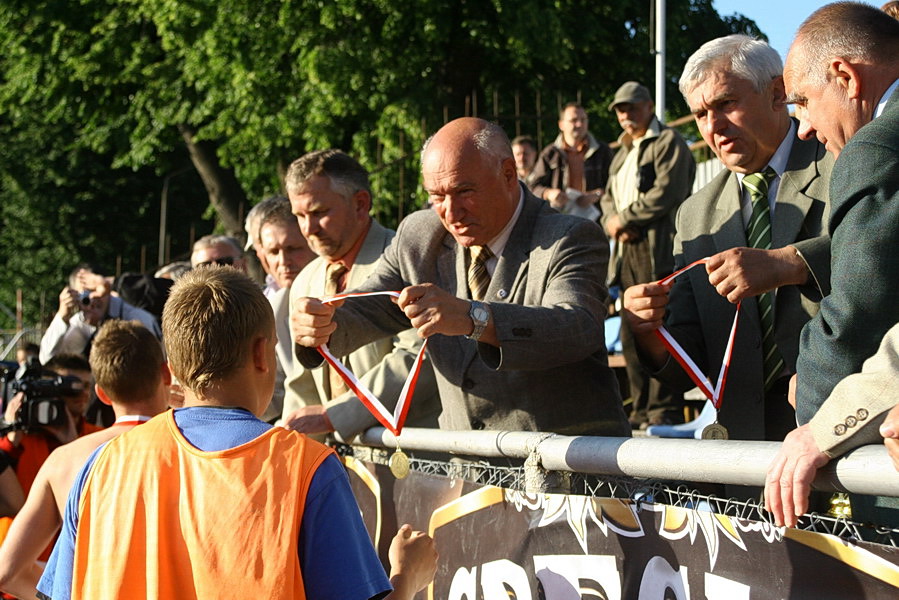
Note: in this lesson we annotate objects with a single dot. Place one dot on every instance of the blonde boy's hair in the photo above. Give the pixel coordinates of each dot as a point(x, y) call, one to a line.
point(209, 322)
point(126, 361)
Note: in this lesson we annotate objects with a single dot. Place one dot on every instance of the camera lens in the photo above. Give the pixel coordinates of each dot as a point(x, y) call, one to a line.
point(85, 298)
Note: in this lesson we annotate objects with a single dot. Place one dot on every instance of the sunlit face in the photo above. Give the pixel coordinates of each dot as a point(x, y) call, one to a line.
point(525, 156)
point(573, 125)
point(634, 117)
point(330, 223)
point(474, 195)
point(77, 405)
point(824, 111)
point(284, 252)
point(742, 126)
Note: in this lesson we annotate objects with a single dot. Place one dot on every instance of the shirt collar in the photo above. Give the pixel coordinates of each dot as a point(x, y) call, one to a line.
point(498, 244)
point(882, 105)
point(780, 157)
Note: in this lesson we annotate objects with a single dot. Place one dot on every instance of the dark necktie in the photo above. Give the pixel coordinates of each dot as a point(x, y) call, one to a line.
point(332, 286)
point(759, 235)
point(478, 275)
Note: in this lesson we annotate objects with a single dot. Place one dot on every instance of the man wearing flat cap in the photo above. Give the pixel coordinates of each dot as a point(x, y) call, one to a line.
point(650, 176)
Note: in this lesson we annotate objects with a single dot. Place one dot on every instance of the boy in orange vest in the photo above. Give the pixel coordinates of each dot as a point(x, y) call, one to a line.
point(208, 501)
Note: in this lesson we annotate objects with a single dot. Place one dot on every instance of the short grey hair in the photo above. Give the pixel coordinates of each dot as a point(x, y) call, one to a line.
point(344, 172)
point(746, 57)
point(490, 140)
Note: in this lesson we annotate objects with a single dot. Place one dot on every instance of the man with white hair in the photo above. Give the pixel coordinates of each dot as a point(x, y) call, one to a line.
point(734, 88)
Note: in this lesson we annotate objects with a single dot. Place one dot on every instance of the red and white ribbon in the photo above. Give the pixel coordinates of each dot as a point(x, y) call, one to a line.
point(393, 421)
point(701, 380)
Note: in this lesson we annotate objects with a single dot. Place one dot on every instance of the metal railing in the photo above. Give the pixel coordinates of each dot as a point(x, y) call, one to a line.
point(866, 470)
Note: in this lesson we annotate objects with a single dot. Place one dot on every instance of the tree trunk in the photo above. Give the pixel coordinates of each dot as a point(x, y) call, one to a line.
point(225, 192)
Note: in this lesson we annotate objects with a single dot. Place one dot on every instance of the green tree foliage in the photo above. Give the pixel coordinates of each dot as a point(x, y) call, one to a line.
point(100, 100)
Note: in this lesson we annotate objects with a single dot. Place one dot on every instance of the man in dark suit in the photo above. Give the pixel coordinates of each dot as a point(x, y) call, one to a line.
point(842, 72)
point(734, 88)
point(515, 334)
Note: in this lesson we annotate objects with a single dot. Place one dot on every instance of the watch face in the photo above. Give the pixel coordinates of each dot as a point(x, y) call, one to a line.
point(479, 314)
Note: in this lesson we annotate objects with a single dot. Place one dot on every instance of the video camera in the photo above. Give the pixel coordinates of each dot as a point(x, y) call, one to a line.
point(43, 403)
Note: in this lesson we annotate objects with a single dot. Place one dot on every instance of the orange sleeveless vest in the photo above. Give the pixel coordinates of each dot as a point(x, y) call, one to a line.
point(162, 519)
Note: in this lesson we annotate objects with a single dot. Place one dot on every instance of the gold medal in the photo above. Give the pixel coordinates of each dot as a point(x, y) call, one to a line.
point(399, 464)
point(715, 431)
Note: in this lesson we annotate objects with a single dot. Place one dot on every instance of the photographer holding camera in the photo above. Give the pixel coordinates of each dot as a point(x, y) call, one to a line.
point(83, 305)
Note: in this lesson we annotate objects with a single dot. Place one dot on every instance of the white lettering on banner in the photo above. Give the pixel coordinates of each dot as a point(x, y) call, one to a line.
point(464, 585)
point(568, 577)
point(721, 588)
point(563, 576)
point(659, 576)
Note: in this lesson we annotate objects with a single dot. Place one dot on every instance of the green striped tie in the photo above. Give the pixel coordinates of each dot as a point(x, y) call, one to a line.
point(759, 235)
point(478, 276)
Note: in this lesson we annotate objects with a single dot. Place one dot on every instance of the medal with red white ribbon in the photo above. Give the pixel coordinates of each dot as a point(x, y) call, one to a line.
point(702, 381)
point(394, 421)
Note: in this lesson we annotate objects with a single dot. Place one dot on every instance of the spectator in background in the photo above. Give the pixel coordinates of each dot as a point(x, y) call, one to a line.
point(329, 193)
point(132, 377)
point(295, 249)
point(524, 151)
point(510, 294)
point(220, 250)
point(734, 87)
point(283, 252)
point(572, 172)
point(651, 175)
point(83, 305)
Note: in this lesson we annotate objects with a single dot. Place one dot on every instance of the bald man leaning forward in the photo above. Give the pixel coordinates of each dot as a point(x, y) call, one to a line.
point(524, 350)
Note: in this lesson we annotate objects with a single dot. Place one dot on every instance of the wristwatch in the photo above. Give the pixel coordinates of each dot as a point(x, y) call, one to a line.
point(479, 317)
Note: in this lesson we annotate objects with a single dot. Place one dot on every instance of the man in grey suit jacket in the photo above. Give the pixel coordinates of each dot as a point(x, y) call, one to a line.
point(746, 123)
point(529, 355)
point(842, 72)
point(329, 194)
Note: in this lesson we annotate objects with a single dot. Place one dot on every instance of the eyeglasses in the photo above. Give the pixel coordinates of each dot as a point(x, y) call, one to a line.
point(223, 261)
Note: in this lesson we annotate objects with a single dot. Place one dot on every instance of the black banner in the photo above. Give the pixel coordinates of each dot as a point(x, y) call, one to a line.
point(497, 543)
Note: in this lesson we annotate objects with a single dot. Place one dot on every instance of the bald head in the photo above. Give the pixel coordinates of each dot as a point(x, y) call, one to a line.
point(844, 58)
point(469, 174)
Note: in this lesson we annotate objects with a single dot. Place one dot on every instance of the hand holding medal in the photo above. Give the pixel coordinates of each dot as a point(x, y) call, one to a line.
point(394, 421)
point(715, 431)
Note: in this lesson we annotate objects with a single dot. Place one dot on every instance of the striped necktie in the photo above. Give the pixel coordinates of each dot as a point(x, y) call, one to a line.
point(759, 235)
point(333, 275)
point(478, 275)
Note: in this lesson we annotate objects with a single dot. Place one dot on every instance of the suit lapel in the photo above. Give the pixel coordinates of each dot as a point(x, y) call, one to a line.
point(727, 225)
point(512, 267)
point(792, 203)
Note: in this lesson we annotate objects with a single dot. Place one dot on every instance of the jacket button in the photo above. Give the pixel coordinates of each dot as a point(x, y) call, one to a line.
point(467, 384)
point(477, 424)
point(839, 429)
point(861, 414)
point(851, 421)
